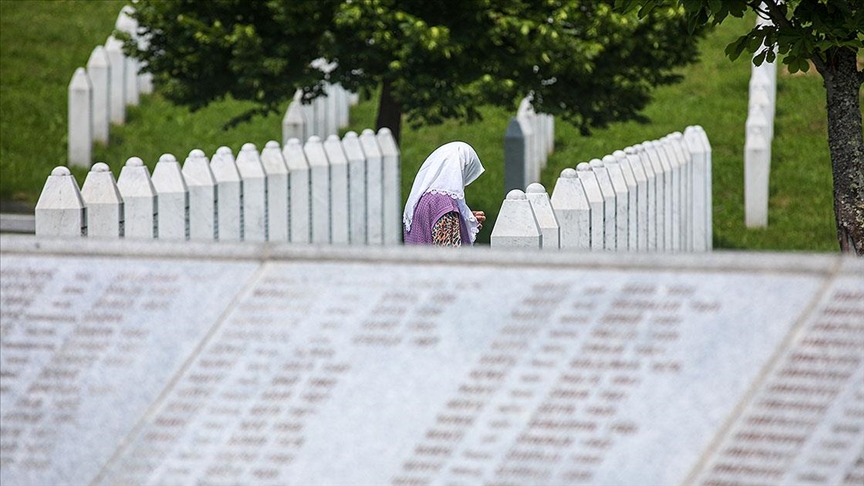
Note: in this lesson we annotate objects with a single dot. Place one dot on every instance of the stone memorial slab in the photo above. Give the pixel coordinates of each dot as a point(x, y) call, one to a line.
point(340, 189)
point(140, 201)
point(304, 365)
point(104, 203)
point(597, 203)
point(87, 345)
point(572, 210)
point(374, 187)
point(320, 190)
point(357, 187)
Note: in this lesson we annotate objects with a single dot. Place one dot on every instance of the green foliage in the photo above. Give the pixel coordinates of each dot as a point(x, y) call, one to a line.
point(801, 30)
point(442, 59)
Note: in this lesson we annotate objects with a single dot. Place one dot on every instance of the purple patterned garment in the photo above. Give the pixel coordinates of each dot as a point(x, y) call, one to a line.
point(429, 210)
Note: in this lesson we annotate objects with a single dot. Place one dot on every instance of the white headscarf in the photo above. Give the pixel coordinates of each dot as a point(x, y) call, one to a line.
point(447, 170)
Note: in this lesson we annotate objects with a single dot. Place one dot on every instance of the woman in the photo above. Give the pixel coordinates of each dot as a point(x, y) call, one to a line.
point(436, 213)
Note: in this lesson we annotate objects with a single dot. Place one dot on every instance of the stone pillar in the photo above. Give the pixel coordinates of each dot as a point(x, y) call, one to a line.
point(99, 72)
point(516, 225)
point(60, 210)
point(80, 119)
point(104, 203)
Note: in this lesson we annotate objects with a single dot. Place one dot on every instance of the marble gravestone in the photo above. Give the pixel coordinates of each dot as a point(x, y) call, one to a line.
point(224, 363)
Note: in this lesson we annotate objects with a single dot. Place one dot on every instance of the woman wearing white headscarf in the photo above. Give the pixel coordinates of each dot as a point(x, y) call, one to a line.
point(436, 212)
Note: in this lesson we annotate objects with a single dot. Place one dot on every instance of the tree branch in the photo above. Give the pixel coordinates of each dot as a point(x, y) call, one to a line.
point(772, 10)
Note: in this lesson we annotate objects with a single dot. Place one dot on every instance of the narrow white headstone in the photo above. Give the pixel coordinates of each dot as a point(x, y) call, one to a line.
point(545, 214)
point(663, 200)
point(374, 188)
point(319, 173)
point(173, 199)
point(596, 202)
point(757, 167)
point(140, 201)
point(80, 119)
point(343, 112)
point(623, 216)
point(278, 192)
point(104, 203)
point(129, 25)
point(254, 196)
point(524, 120)
point(294, 123)
point(651, 196)
point(632, 160)
point(693, 136)
point(610, 205)
point(339, 190)
point(203, 197)
point(229, 191)
point(114, 50)
point(572, 210)
point(392, 187)
point(330, 102)
point(99, 72)
point(319, 106)
point(356, 187)
point(667, 155)
point(60, 210)
point(632, 199)
point(684, 157)
point(516, 225)
point(298, 175)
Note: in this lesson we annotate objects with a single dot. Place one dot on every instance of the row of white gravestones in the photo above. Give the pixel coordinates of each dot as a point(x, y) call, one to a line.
point(758, 137)
point(655, 196)
point(528, 141)
point(322, 116)
point(324, 191)
point(99, 94)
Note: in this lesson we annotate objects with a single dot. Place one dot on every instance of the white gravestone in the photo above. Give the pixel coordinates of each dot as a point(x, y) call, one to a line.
point(254, 196)
point(294, 123)
point(126, 23)
point(516, 226)
point(757, 169)
point(319, 107)
point(596, 202)
point(683, 154)
point(80, 119)
point(374, 188)
point(203, 197)
point(320, 190)
point(104, 203)
point(140, 201)
point(229, 189)
point(696, 141)
point(610, 204)
point(664, 195)
point(99, 72)
point(60, 210)
point(673, 229)
point(572, 210)
point(339, 190)
point(357, 187)
point(623, 214)
point(631, 160)
point(390, 158)
point(173, 201)
point(632, 198)
point(114, 50)
point(545, 214)
point(654, 195)
point(278, 192)
point(300, 204)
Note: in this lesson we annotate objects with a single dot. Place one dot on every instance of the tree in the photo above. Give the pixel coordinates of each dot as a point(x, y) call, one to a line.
point(827, 34)
point(432, 59)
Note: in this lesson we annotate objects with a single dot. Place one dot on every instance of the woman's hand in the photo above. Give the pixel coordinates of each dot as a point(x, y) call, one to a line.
point(481, 218)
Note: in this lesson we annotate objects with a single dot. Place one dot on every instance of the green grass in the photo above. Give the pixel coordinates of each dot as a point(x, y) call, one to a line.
point(42, 42)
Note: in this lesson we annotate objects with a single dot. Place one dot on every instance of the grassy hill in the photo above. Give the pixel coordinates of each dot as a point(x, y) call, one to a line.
point(41, 44)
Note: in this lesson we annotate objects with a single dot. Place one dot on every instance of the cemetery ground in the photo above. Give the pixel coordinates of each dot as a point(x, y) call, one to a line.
point(41, 44)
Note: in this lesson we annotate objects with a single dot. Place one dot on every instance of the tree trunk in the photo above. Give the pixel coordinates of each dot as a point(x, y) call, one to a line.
point(845, 142)
point(389, 112)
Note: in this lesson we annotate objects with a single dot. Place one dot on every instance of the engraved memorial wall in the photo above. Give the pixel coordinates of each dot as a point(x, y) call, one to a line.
point(261, 364)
